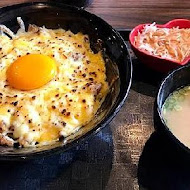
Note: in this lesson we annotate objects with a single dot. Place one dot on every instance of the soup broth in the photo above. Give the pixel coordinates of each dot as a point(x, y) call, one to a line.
point(176, 113)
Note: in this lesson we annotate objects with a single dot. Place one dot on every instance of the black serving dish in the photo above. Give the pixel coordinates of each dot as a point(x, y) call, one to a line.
point(102, 38)
point(173, 81)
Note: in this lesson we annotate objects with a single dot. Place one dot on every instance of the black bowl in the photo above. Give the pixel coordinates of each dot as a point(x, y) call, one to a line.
point(173, 81)
point(102, 38)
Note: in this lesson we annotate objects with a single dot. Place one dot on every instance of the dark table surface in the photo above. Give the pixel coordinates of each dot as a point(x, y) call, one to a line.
point(110, 160)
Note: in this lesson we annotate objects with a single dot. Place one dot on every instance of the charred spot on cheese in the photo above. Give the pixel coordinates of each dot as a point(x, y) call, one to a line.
point(53, 107)
point(59, 108)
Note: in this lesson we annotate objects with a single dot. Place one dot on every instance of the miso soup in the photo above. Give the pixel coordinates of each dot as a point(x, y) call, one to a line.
point(176, 113)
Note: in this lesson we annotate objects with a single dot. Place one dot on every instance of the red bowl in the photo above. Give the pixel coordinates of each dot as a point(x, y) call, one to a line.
point(156, 63)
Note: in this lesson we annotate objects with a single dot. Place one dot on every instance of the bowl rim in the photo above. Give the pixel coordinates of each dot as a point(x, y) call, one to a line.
point(111, 114)
point(166, 25)
point(159, 108)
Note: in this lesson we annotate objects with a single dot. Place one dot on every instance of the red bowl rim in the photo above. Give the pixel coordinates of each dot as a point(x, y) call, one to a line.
point(169, 24)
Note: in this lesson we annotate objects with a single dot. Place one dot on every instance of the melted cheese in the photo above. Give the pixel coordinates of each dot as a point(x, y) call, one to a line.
point(63, 105)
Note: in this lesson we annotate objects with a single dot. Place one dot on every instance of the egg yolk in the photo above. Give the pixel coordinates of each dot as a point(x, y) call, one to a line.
point(31, 71)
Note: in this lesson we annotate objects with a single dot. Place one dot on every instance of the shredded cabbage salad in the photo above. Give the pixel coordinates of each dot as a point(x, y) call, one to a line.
point(169, 43)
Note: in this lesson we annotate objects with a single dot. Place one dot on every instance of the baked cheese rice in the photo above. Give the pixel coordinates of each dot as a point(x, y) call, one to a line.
point(51, 84)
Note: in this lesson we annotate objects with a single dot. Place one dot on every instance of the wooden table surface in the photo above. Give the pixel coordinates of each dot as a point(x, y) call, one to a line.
point(129, 13)
point(110, 161)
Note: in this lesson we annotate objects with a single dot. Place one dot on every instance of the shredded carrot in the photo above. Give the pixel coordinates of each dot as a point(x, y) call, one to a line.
point(173, 43)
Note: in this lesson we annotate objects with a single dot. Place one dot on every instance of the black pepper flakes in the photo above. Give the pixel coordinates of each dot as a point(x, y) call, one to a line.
point(15, 103)
point(68, 113)
point(83, 100)
point(57, 95)
point(63, 123)
point(1, 94)
point(15, 96)
point(93, 73)
point(87, 62)
point(91, 79)
point(53, 107)
point(33, 97)
point(29, 121)
point(63, 111)
point(88, 84)
point(74, 90)
point(84, 75)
